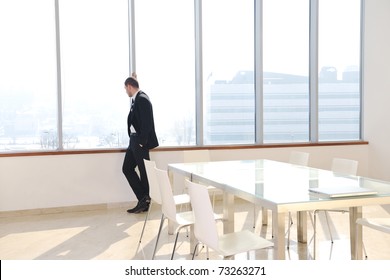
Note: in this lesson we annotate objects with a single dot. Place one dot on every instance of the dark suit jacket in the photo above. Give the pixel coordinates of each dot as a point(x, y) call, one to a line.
point(141, 117)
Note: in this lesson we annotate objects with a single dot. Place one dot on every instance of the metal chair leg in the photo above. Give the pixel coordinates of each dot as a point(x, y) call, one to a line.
point(195, 250)
point(315, 230)
point(290, 222)
point(158, 236)
point(314, 234)
point(174, 245)
point(311, 218)
point(177, 235)
point(146, 218)
point(254, 215)
point(327, 222)
point(365, 252)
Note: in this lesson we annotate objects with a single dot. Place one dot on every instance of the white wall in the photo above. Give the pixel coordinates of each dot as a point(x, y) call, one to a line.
point(72, 180)
point(377, 87)
point(56, 181)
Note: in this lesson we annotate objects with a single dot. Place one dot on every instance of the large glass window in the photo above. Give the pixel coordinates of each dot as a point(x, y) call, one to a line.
point(228, 69)
point(92, 52)
point(339, 70)
point(286, 71)
point(95, 64)
point(28, 91)
point(165, 59)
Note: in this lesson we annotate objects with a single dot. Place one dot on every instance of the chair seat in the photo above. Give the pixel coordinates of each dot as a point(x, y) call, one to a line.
point(213, 189)
point(381, 224)
point(181, 199)
point(239, 242)
point(187, 218)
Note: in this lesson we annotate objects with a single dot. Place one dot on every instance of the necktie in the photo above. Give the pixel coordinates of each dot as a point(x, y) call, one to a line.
point(132, 104)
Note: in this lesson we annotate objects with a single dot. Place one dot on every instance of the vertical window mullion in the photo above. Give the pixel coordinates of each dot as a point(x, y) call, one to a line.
point(361, 74)
point(132, 56)
point(59, 83)
point(313, 79)
point(258, 33)
point(198, 73)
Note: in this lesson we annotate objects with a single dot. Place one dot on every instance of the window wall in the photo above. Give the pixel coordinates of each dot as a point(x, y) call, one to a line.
point(339, 70)
point(286, 71)
point(165, 66)
point(228, 71)
point(204, 63)
point(94, 65)
point(28, 84)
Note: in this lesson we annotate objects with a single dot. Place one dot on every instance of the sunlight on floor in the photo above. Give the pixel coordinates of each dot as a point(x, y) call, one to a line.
point(113, 234)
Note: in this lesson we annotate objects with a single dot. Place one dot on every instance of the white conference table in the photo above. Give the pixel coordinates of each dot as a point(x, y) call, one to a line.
point(283, 187)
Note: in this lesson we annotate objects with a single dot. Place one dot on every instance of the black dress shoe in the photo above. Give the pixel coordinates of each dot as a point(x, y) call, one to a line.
point(143, 208)
point(142, 205)
point(133, 210)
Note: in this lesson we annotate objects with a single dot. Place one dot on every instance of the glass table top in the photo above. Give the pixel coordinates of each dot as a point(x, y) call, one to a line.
point(274, 181)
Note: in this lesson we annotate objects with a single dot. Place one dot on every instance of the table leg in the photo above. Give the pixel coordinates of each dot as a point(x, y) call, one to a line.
point(356, 233)
point(192, 240)
point(171, 225)
point(278, 226)
point(302, 226)
point(264, 212)
point(228, 212)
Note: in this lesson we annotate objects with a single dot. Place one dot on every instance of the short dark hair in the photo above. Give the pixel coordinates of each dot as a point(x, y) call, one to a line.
point(132, 81)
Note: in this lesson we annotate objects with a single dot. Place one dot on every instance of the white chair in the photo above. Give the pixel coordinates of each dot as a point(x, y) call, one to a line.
point(182, 219)
point(299, 158)
point(201, 156)
point(154, 192)
point(205, 229)
point(380, 224)
point(343, 167)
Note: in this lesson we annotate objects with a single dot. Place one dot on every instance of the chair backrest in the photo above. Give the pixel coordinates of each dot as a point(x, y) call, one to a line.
point(154, 189)
point(299, 158)
point(205, 229)
point(168, 205)
point(345, 166)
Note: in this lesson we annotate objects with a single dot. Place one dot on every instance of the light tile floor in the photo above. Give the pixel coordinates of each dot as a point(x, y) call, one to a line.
point(113, 234)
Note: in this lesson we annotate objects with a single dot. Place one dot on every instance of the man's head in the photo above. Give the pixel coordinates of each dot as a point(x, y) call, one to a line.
point(131, 86)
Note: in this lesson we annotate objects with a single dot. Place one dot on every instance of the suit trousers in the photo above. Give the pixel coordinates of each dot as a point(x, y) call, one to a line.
point(134, 157)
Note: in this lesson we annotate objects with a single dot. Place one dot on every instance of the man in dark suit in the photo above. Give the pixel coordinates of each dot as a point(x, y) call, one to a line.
point(140, 127)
